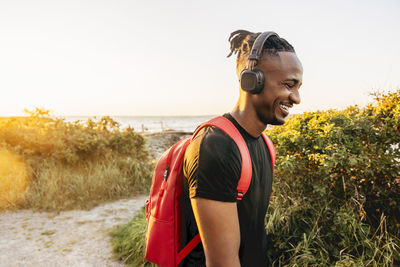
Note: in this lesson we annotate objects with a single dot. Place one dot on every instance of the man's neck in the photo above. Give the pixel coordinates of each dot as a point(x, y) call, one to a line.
point(248, 121)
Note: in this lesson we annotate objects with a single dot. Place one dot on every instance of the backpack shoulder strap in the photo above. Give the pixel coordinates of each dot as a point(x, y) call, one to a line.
point(271, 149)
point(227, 127)
point(245, 177)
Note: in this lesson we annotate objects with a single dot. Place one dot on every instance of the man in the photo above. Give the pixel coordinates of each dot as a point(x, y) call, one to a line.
point(233, 232)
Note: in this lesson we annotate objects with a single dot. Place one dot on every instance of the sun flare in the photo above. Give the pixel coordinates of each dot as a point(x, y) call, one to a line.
point(13, 178)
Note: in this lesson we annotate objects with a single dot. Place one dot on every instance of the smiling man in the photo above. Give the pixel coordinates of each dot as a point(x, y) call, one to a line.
point(232, 231)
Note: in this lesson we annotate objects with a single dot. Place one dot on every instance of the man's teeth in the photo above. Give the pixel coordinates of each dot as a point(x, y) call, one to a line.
point(284, 107)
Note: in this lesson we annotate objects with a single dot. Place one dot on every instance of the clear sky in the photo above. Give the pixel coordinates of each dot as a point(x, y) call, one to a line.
point(118, 57)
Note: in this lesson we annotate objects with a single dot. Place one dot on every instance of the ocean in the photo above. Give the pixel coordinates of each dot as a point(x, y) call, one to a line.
point(153, 123)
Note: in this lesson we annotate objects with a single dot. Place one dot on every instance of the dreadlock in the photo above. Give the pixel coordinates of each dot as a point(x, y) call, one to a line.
point(242, 41)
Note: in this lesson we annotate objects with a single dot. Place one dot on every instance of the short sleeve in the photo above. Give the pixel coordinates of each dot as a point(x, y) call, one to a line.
point(212, 166)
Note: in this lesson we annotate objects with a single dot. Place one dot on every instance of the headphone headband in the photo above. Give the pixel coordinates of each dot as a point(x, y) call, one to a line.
point(251, 80)
point(256, 50)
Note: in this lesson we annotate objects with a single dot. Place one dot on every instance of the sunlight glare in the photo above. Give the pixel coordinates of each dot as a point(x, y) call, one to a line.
point(13, 178)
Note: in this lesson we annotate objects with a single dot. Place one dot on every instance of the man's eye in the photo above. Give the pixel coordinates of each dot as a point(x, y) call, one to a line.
point(289, 85)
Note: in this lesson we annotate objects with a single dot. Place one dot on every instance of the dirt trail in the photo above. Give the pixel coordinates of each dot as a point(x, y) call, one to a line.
point(71, 238)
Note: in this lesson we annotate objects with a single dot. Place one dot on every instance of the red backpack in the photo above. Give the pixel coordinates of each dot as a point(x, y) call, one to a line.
point(163, 211)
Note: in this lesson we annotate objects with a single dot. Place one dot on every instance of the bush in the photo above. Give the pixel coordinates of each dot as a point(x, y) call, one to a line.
point(337, 183)
point(76, 165)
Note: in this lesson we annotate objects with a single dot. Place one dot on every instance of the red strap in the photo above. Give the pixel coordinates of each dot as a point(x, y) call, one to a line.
point(227, 126)
point(189, 247)
point(271, 149)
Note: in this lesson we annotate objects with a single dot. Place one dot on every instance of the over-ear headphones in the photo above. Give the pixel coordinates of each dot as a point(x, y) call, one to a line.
point(252, 80)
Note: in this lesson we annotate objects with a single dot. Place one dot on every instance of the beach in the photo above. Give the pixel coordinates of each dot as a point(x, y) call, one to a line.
point(157, 143)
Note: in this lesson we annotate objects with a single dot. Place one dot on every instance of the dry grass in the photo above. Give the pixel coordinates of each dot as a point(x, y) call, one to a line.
point(60, 187)
point(49, 164)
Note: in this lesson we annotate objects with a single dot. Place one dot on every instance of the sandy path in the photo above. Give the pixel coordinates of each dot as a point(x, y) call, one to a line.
point(71, 238)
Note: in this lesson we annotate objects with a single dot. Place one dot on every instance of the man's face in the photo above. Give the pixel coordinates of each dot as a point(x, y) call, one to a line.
point(283, 78)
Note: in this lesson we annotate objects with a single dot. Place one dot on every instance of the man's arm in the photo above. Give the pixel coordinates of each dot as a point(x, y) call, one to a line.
point(219, 229)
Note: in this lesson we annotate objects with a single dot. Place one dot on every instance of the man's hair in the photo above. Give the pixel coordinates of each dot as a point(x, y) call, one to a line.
point(242, 41)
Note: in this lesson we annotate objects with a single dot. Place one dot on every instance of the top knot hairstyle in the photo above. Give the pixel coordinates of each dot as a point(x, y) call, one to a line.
point(242, 41)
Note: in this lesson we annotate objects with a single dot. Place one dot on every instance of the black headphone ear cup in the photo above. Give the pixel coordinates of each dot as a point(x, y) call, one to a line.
point(252, 81)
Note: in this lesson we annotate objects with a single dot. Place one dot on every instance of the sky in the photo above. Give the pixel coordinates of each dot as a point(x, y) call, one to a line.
point(147, 57)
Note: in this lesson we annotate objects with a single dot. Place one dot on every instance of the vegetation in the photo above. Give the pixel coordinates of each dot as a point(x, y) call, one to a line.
point(128, 241)
point(336, 197)
point(337, 187)
point(63, 165)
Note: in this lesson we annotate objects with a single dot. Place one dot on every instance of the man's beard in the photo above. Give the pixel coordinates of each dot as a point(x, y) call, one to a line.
point(277, 122)
point(273, 121)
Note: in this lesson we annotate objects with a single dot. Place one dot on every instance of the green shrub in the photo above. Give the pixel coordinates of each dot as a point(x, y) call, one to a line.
point(337, 182)
point(76, 164)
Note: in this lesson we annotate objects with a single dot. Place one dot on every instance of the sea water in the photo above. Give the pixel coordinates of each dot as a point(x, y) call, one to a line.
point(153, 123)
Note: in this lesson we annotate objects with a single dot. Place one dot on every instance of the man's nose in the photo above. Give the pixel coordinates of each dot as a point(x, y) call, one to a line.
point(295, 97)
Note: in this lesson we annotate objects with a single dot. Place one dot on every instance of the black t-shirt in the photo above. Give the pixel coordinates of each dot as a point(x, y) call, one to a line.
point(211, 168)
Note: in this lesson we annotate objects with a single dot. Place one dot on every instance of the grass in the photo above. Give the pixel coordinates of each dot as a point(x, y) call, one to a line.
point(294, 238)
point(304, 234)
point(61, 187)
point(128, 241)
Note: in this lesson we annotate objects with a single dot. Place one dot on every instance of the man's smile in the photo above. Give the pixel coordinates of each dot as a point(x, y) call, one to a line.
point(285, 106)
